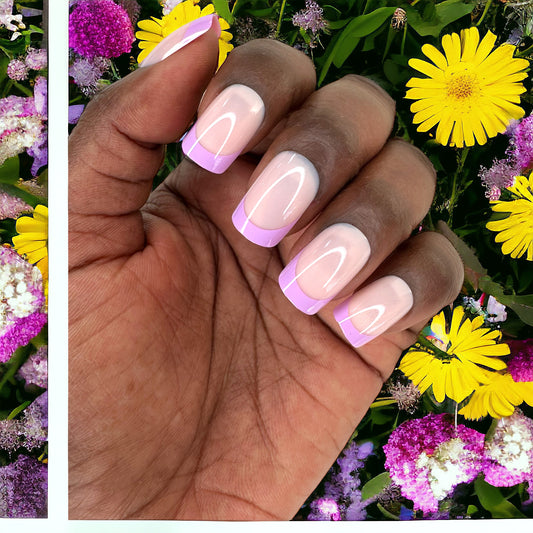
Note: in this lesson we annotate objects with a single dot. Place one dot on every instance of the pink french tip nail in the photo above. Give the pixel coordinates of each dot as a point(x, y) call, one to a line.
point(374, 309)
point(324, 267)
point(180, 38)
point(225, 128)
point(277, 199)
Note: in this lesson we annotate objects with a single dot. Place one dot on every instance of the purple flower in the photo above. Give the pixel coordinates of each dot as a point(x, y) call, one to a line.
point(36, 58)
point(342, 497)
point(11, 206)
point(87, 72)
point(35, 370)
point(132, 8)
point(310, 18)
point(100, 28)
point(429, 457)
point(521, 148)
point(509, 451)
point(74, 113)
point(499, 176)
point(520, 364)
point(17, 70)
point(22, 307)
point(23, 489)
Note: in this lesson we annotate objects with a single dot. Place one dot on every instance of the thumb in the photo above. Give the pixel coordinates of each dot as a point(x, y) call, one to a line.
point(118, 145)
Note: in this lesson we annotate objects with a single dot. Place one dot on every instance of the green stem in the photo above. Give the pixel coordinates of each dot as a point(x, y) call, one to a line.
point(455, 188)
point(23, 89)
point(281, 12)
point(404, 36)
point(428, 344)
point(114, 71)
point(485, 11)
point(234, 6)
point(14, 364)
point(525, 52)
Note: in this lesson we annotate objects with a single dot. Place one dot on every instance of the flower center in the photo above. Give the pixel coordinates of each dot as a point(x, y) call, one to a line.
point(461, 86)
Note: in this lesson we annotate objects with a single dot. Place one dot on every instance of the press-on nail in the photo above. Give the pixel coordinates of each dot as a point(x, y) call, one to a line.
point(324, 267)
point(180, 38)
point(277, 199)
point(224, 128)
point(374, 309)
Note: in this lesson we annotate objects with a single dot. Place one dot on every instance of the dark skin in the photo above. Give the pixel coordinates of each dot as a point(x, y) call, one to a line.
point(197, 391)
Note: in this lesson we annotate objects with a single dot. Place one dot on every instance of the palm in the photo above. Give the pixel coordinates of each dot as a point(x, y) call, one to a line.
point(208, 385)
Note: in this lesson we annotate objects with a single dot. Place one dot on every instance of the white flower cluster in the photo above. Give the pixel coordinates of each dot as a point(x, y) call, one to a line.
point(511, 444)
point(169, 5)
point(8, 20)
point(16, 298)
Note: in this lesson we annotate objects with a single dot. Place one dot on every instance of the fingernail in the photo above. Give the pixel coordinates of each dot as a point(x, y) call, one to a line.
point(277, 199)
point(180, 38)
point(374, 309)
point(324, 267)
point(224, 128)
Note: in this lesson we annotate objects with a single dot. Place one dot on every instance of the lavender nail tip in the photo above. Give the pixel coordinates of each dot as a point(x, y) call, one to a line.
point(293, 292)
point(218, 164)
point(355, 337)
point(262, 237)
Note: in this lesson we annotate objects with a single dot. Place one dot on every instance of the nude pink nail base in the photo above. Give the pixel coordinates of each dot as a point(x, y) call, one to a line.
point(355, 337)
point(218, 164)
point(180, 38)
point(289, 285)
point(255, 234)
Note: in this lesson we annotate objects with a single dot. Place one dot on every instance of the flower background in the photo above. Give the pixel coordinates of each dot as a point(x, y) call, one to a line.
point(23, 261)
point(451, 434)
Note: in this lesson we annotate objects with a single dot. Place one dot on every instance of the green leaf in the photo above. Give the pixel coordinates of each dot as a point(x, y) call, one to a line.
point(493, 501)
point(29, 198)
point(471, 509)
point(222, 8)
point(382, 403)
point(387, 514)
point(359, 27)
point(433, 23)
point(17, 410)
point(9, 171)
point(375, 485)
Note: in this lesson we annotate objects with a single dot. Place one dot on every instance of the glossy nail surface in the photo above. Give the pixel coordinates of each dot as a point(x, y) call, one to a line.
point(277, 199)
point(374, 309)
point(180, 38)
point(224, 128)
point(324, 267)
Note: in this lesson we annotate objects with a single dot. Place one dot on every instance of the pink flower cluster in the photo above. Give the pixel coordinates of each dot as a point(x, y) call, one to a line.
point(35, 59)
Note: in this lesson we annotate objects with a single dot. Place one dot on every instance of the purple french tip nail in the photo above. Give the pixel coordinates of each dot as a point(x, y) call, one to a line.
point(181, 38)
point(288, 282)
point(355, 337)
point(255, 234)
point(216, 163)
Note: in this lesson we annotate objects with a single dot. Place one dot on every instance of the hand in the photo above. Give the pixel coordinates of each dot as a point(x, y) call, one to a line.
point(197, 389)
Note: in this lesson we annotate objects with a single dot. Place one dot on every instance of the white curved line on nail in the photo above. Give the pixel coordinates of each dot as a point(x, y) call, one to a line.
point(341, 250)
point(182, 43)
point(226, 116)
point(379, 308)
point(300, 170)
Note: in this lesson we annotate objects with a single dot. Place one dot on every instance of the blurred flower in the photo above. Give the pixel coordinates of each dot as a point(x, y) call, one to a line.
point(499, 176)
point(74, 113)
point(515, 231)
point(36, 58)
point(495, 311)
point(23, 489)
point(153, 31)
point(471, 92)
point(342, 497)
point(22, 127)
point(429, 457)
point(406, 396)
point(17, 70)
point(509, 451)
point(310, 18)
point(35, 370)
point(132, 8)
point(169, 5)
point(21, 306)
point(452, 368)
point(520, 364)
point(399, 18)
point(86, 73)
point(32, 238)
point(8, 20)
point(12, 206)
point(496, 395)
point(100, 28)
point(521, 149)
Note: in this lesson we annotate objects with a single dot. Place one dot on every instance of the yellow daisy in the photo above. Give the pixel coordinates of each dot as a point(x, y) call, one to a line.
point(516, 230)
point(32, 241)
point(155, 30)
point(471, 90)
point(451, 368)
point(497, 396)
